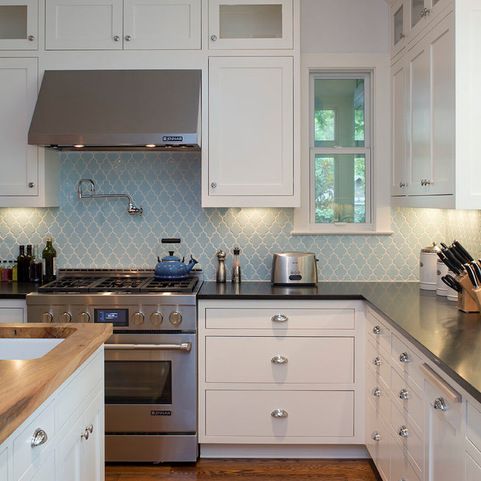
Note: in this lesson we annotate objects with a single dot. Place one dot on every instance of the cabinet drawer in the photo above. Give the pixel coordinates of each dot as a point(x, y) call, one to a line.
point(378, 441)
point(412, 443)
point(378, 332)
point(378, 361)
point(473, 469)
point(474, 425)
point(406, 363)
point(408, 399)
point(78, 391)
point(279, 319)
point(282, 360)
point(11, 314)
point(308, 413)
point(28, 458)
point(401, 468)
point(378, 393)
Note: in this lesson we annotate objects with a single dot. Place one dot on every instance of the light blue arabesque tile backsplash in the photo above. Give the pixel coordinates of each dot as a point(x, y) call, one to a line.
point(100, 233)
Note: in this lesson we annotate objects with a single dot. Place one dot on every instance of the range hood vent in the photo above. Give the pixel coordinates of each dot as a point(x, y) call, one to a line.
point(118, 109)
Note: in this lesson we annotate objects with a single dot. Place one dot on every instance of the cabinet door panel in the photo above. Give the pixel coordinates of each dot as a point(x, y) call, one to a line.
point(80, 25)
point(251, 127)
point(4, 465)
point(69, 457)
point(18, 160)
point(18, 25)
point(162, 24)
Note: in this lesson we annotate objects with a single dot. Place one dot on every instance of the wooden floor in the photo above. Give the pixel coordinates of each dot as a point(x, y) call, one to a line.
point(248, 470)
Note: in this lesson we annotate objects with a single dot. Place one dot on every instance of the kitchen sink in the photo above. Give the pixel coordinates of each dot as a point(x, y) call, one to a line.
point(26, 348)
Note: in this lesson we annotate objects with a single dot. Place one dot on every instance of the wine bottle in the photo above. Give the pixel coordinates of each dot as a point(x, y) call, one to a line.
point(49, 259)
point(22, 273)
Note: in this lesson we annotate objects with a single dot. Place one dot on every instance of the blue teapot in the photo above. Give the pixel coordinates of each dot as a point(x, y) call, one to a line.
point(171, 267)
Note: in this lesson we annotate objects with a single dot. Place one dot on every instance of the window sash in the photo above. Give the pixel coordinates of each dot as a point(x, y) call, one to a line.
point(366, 152)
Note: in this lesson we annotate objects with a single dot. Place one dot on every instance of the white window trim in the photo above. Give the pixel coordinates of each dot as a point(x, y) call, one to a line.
point(380, 165)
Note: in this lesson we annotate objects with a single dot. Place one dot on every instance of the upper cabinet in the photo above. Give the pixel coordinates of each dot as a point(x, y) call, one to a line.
point(398, 26)
point(18, 24)
point(250, 24)
point(423, 12)
point(117, 24)
point(250, 132)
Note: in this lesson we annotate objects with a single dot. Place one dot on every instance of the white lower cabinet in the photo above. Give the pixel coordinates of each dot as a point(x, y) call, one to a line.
point(13, 311)
point(270, 374)
point(47, 447)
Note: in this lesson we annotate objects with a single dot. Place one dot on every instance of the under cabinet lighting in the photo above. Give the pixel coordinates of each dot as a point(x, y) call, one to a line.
point(150, 146)
point(79, 146)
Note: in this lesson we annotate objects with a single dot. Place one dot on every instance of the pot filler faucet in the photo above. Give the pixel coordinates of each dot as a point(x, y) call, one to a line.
point(90, 193)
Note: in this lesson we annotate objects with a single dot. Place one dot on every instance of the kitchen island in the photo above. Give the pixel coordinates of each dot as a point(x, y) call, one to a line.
point(51, 404)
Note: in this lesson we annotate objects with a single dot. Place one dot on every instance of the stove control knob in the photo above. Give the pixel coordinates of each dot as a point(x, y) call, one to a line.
point(84, 317)
point(138, 318)
point(156, 318)
point(175, 318)
point(47, 317)
point(66, 317)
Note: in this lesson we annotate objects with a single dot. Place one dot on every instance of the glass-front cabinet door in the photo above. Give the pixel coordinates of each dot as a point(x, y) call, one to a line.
point(399, 26)
point(250, 24)
point(18, 24)
point(423, 12)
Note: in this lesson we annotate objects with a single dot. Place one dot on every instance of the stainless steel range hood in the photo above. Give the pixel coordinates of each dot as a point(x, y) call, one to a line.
point(118, 109)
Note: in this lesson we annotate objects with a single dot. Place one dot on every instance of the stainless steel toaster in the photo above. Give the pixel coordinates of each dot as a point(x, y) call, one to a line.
point(294, 268)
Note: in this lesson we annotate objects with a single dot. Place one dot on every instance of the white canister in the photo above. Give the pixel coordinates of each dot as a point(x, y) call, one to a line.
point(441, 288)
point(428, 268)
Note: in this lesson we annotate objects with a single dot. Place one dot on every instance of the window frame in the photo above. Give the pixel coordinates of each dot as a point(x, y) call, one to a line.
point(377, 66)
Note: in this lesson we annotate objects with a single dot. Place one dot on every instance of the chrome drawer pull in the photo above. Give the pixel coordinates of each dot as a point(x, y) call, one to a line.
point(39, 437)
point(377, 361)
point(279, 318)
point(376, 392)
point(279, 414)
point(184, 346)
point(440, 404)
point(404, 357)
point(279, 360)
point(376, 330)
point(376, 436)
point(90, 428)
point(403, 432)
point(85, 434)
point(403, 394)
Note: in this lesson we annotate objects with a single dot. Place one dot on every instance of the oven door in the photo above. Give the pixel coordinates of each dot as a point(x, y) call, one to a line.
point(151, 383)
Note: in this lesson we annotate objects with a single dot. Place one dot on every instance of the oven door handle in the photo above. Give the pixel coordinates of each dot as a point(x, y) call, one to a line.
point(183, 346)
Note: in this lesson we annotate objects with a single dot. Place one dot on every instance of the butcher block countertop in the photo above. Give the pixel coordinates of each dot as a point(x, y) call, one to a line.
point(26, 384)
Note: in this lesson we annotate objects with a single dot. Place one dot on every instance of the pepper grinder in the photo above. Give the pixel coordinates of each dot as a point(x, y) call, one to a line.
point(236, 268)
point(221, 277)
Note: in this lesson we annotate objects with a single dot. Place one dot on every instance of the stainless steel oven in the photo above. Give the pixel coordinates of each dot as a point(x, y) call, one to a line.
point(150, 360)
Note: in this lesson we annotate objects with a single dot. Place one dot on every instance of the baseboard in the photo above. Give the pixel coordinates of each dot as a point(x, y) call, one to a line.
point(285, 452)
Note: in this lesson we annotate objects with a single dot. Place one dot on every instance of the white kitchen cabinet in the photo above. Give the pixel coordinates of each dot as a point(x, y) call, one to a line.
point(422, 13)
point(251, 125)
point(18, 24)
point(117, 24)
point(250, 24)
point(29, 173)
point(13, 311)
point(444, 439)
point(399, 21)
point(63, 452)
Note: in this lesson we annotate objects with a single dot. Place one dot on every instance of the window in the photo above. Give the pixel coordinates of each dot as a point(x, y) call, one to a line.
point(340, 150)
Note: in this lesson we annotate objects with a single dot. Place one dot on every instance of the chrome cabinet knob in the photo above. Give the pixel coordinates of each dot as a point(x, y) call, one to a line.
point(156, 318)
point(279, 414)
point(213, 185)
point(376, 330)
point(39, 437)
point(403, 432)
point(404, 358)
point(116, 38)
point(375, 436)
point(31, 185)
point(84, 317)
point(279, 318)
point(31, 38)
point(138, 318)
point(377, 361)
point(403, 394)
point(128, 38)
point(213, 38)
point(90, 428)
point(376, 392)
point(85, 435)
point(66, 317)
point(279, 360)
point(47, 317)
point(440, 404)
point(175, 318)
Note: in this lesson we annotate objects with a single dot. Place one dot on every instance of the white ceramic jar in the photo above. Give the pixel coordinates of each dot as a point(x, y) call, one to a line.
point(428, 267)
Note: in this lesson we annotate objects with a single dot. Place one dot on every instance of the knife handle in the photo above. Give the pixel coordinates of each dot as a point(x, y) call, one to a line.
point(461, 249)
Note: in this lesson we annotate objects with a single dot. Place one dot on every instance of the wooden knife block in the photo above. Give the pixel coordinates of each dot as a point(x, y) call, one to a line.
point(469, 299)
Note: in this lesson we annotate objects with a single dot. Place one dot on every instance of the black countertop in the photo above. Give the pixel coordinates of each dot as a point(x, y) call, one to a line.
point(448, 337)
point(16, 290)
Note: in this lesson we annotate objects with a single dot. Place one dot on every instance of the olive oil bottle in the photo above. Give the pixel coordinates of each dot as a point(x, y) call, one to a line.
point(49, 260)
